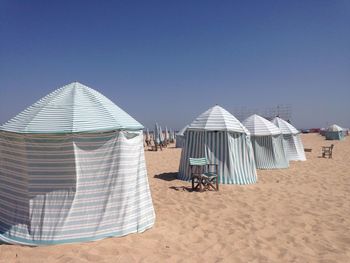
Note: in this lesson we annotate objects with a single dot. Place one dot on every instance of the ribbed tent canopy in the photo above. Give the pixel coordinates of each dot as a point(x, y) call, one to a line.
point(285, 127)
point(293, 146)
point(71, 109)
point(335, 128)
point(217, 119)
point(259, 126)
point(182, 131)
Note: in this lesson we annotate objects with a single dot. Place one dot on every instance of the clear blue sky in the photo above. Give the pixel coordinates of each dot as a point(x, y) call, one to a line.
point(171, 60)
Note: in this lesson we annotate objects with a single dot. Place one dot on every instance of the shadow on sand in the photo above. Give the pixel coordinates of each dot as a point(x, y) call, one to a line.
point(166, 176)
point(182, 188)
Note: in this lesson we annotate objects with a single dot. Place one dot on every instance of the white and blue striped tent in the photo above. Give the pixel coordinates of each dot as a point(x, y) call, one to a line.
point(293, 146)
point(223, 140)
point(180, 137)
point(335, 132)
point(267, 143)
point(72, 169)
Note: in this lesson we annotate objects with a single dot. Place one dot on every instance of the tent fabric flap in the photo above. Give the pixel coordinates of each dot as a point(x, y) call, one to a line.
point(72, 187)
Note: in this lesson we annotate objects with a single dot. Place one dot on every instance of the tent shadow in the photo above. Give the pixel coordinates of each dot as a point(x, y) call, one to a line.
point(182, 188)
point(167, 176)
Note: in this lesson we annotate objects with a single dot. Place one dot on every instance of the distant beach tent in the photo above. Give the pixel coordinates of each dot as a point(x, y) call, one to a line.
point(223, 140)
point(267, 143)
point(180, 137)
point(293, 146)
point(335, 132)
point(72, 169)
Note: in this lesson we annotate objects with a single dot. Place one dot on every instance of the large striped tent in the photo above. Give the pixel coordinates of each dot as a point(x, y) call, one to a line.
point(223, 140)
point(267, 143)
point(180, 137)
point(334, 132)
point(72, 169)
point(293, 146)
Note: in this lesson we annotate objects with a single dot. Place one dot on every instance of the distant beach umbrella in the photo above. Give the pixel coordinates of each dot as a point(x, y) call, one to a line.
point(157, 134)
point(166, 135)
point(147, 134)
point(161, 135)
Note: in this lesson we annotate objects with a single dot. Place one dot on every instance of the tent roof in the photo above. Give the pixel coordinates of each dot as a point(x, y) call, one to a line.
point(258, 126)
point(182, 131)
point(72, 108)
point(334, 127)
point(217, 119)
point(284, 126)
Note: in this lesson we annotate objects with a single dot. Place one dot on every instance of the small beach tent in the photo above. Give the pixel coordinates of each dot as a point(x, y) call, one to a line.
point(293, 146)
point(180, 137)
point(223, 140)
point(72, 169)
point(334, 132)
point(267, 143)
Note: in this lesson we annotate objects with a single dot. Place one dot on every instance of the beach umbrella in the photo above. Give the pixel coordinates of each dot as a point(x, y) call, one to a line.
point(161, 135)
point(166, 135)
point(147, 135)
point(156, 134)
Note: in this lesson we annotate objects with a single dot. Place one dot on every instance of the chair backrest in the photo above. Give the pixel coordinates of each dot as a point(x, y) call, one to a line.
point(198, 161)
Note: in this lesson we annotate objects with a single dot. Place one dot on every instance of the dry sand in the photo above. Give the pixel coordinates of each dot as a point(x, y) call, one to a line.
point(300, 214)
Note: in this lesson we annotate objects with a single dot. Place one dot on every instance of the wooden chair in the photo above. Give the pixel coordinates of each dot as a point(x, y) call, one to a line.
point(327, 151)
point(204, 175)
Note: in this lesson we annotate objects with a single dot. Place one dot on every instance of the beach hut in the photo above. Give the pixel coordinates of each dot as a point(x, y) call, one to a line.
point(223, 140)
point(180, 137)
point(267, 143)
point(334, 132)
point(293, 146)
point(72, 169)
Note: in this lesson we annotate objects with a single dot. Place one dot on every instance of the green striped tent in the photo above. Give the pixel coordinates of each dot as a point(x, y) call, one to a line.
point(267, 143)
point(292, 144)
point(72, 169)
point(180, 137)
point(223, 140)
point(334, 132)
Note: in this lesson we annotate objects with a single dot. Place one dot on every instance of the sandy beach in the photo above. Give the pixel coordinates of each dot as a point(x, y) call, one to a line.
point(299, 214)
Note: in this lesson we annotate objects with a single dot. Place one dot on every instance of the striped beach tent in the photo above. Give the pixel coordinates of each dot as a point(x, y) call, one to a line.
point(180, 137)
point(293, 146)
point(223, 140)
point(335, 132)
point(72, 169)
point(267, 143)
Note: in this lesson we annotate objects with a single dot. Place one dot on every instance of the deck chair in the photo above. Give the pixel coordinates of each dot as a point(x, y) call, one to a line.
point(204, 176)
point(327, 151)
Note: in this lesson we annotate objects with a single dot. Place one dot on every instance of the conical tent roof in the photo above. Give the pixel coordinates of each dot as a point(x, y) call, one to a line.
point(259, 126)
point(334, 127)
point(70, 109)
point(217, 119)
point(285, 127)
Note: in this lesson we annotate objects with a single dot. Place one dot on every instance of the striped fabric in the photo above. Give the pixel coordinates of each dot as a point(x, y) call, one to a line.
point(72, 187)
point(269, 152)
point(293, 147)
point(292, 143)
point(180, 137)
point(231, 151)
point(180, 141)
point(217, 119)
point(284, 126)
point(259, 126)
point(334, 135)
point(72, 108)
